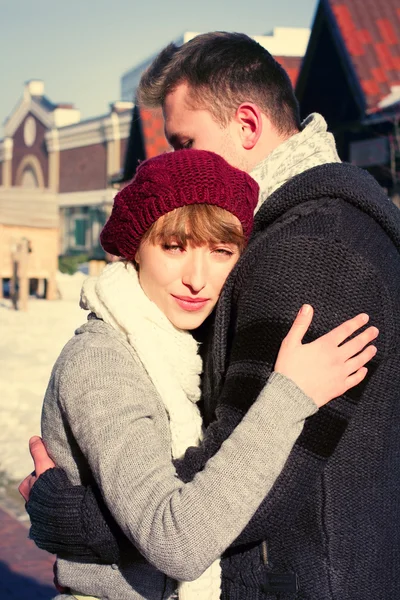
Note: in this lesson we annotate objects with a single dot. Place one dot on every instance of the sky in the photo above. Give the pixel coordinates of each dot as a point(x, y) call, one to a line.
point(80, 48)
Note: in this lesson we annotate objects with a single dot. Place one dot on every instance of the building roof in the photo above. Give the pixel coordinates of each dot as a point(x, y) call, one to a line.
point(45, 103)
point(146, 140)
point(370, 32)
point(153, 132)
point(292, 65)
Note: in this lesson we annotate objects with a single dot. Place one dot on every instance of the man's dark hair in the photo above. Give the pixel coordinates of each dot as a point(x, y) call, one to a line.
point(223, 70)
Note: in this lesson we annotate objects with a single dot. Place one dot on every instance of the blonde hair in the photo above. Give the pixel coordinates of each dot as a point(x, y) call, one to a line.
point(197, 224)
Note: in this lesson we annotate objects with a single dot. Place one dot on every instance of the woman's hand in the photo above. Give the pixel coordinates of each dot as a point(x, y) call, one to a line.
point(326, 368)
point(42, 462)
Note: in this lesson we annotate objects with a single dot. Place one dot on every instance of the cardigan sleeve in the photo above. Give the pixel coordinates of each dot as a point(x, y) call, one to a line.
point(111, 409)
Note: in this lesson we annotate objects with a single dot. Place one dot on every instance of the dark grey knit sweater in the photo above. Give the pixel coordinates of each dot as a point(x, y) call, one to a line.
point(331, 238)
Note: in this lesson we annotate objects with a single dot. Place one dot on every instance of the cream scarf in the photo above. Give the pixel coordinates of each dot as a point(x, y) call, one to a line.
point(170, 357)
point(311, 147)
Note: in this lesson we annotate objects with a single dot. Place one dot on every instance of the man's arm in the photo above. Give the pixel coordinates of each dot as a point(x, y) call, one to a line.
point(70, 520)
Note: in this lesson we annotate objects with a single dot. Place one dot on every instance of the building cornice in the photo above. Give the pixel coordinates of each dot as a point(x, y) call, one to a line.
point(28, 207)
point(52, 140)
point(95, 131)
point(90, 198)
point(125, 121)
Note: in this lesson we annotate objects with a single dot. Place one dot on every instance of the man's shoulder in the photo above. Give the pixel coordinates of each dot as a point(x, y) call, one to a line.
point(314, 243)
point(315, 220)
point(341, 194)
point(326, 219)
point(315, 217)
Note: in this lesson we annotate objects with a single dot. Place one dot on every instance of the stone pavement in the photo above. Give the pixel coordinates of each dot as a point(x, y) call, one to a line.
point(26, 573)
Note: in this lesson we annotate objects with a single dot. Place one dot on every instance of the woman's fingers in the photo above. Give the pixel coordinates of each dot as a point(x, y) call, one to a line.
point(41, 459)
point(338, 335)
point(300, 325)
point(353, 364)
point(326, 368)
point(25, 486)
point(355, 378)
point(355, 345)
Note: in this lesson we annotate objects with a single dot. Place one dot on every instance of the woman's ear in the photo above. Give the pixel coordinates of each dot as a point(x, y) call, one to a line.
point(136, 261)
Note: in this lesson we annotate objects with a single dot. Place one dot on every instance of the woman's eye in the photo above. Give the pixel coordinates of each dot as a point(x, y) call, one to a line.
point(223, 251)
point(187, 145)
point(173, 248)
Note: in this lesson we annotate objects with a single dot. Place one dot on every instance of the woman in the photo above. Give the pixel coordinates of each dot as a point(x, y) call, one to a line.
point(121, 402)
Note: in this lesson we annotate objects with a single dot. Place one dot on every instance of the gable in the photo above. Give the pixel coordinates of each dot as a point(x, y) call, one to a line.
point(326, 83)
point(370, 32)
point(292, 65)
point(28, 106)
point(30, 152)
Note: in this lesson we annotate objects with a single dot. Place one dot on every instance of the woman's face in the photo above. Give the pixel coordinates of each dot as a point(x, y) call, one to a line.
point(185, 282)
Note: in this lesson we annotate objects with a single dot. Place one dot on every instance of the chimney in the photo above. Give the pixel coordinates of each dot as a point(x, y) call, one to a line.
point(33, 87)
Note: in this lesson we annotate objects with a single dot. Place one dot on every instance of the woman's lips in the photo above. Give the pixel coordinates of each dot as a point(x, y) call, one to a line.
point(190, 304)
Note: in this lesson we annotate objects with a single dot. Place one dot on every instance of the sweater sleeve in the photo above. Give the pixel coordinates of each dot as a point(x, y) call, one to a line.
point(180, 528)
point(73, 520)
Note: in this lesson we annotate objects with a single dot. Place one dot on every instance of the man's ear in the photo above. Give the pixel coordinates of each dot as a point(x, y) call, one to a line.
point(248, 116)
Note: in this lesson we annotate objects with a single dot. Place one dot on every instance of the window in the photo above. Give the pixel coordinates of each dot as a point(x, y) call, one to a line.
point(81, 226)
point(29, 179)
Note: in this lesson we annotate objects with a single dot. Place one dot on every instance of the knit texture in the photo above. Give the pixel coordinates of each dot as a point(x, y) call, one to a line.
point(178, 381)
point(329, 237)
point(314, 145)
point(80, 505)
point(105, 424)
point(170, 181)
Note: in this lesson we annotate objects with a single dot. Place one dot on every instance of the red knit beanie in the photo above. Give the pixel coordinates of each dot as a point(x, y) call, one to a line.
point(170, 181)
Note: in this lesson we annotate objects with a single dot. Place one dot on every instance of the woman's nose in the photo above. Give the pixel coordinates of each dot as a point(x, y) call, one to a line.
point(194, 275)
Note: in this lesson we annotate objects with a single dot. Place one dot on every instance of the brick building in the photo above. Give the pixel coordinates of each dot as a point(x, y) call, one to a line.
point(54, 180)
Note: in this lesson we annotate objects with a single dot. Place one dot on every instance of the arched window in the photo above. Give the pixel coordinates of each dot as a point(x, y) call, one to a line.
point(29, 173)
point(29, 179)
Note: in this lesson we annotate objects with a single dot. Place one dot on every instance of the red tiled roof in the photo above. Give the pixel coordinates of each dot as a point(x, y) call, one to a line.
point(153, 132)
point(371, 34)
point(292, 65)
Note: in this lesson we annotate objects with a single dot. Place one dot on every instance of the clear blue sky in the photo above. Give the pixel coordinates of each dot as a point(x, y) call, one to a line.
point(80, 48)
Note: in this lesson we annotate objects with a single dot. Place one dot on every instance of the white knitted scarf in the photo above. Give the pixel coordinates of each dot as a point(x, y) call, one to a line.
point(311, 147)
point(170, 357)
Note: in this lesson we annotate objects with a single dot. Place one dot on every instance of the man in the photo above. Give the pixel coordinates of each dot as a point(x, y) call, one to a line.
point(325, 234)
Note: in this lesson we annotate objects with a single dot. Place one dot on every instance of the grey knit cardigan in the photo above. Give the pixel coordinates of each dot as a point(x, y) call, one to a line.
point(104, 423)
